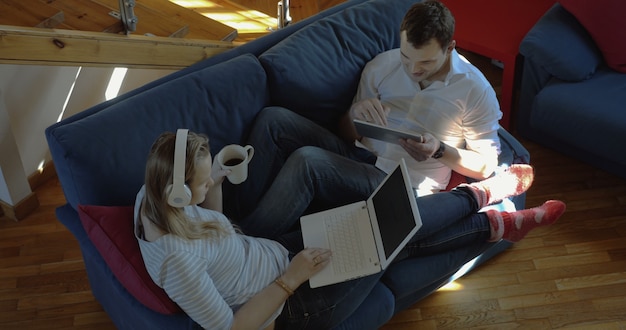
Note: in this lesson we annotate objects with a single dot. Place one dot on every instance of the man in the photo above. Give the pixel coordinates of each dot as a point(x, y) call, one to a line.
point(427, 88)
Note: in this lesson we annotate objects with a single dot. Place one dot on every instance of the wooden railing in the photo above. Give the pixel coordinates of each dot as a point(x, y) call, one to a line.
point(79, 48)
point(168, 36)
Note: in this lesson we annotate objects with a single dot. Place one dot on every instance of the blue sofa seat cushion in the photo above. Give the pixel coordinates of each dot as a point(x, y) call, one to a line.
point(316, 71)
point(93, 173)
point(566, 111)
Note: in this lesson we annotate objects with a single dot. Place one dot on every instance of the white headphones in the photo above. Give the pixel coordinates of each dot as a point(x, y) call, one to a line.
point(178, 193)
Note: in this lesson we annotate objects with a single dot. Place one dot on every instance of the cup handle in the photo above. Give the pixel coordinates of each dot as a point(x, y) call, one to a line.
point(250, 151)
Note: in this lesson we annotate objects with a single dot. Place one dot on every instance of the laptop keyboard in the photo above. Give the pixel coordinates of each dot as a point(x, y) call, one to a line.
point(345, 242)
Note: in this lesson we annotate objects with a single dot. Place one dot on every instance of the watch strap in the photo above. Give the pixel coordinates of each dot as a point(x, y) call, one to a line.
point(439, 153)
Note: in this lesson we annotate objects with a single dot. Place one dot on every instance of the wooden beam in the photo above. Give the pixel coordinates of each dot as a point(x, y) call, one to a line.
point(34, 46)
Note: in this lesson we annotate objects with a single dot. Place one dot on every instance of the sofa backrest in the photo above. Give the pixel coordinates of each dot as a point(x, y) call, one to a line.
point(316, 71)
point(255, 47)
point(100, 153)
point(561, 46)
point(100, 159)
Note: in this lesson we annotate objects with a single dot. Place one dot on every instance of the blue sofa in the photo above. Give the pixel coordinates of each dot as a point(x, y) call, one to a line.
point(570, 100)
point(311, 67)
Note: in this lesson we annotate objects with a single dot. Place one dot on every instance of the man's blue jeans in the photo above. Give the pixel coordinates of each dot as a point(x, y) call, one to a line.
point(298, 167)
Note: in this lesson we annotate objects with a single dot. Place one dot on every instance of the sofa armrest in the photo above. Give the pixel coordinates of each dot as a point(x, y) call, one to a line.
point(513, 152)
point(561, 46)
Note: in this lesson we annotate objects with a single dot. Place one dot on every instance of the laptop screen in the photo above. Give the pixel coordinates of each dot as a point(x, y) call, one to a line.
point(393, 211)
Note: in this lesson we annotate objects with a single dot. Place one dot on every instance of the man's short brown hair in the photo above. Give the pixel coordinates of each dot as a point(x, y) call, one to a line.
point(427, 20)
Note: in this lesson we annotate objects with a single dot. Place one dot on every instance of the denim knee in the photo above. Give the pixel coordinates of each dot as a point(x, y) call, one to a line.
point(310, 156)
point(273, 114)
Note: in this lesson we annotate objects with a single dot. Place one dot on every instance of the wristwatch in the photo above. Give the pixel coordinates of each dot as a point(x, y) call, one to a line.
point(439, 153)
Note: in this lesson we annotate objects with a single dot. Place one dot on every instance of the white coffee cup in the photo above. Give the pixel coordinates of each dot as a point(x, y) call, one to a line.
point(235, 158)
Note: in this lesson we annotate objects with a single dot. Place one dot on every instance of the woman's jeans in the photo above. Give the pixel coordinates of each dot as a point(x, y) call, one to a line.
point(299, 167)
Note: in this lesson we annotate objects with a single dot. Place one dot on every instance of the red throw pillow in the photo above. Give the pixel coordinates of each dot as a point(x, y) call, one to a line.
point(455, 180)
point(110, 228)
point(604, 20)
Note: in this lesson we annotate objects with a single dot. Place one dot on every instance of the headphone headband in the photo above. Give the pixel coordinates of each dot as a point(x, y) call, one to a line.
point(179, 194)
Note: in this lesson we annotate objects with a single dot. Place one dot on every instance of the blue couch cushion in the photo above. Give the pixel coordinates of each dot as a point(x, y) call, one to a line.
point(562, 46)
point(220, 101)
point(316, 71)
point(589, 114)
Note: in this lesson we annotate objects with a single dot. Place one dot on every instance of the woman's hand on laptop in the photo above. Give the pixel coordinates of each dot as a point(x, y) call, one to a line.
point(305, 264)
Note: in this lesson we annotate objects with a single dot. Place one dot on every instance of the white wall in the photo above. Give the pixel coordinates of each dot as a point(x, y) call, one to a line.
point(11, 168)
point(33, 98)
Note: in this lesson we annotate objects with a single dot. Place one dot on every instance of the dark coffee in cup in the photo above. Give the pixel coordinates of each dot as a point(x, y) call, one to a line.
point(233, 161)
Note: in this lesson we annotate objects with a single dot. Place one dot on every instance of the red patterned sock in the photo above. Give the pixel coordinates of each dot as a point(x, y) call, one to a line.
point(513, 226)
point(512, 182)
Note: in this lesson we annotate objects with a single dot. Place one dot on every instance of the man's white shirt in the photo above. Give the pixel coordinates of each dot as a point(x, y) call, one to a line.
point(461, 111)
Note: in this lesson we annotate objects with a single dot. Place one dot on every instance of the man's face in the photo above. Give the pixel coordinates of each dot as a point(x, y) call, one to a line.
point(425, 63)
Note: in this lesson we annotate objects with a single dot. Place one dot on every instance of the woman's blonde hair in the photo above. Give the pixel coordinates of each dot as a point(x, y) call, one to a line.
point(159, 171)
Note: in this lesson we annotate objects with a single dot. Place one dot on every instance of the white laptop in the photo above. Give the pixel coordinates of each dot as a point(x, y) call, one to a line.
point(365, 236)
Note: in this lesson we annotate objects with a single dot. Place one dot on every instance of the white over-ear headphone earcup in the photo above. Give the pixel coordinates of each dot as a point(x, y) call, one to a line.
point(178, 196)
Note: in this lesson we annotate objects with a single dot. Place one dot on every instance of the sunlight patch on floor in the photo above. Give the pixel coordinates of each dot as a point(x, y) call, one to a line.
point(452, 286)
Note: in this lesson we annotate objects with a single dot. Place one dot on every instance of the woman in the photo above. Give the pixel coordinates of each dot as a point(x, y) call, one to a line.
point(224, 279)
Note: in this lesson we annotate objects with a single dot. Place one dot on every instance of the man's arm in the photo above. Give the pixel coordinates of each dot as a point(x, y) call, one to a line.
point(370, 110)
point(474, 164)
point(346, 129)
point(469, 163)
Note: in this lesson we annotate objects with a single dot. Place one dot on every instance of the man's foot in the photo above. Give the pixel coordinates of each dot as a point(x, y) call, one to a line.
point(513, 226)
point(512, 182)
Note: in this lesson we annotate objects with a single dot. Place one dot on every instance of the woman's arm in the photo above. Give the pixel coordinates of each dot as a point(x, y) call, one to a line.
point(261, 306)
point(214, 199)
point(188, 284)
point(254, 313)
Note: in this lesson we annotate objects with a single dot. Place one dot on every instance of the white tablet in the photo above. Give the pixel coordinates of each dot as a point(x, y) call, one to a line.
point(383, 133)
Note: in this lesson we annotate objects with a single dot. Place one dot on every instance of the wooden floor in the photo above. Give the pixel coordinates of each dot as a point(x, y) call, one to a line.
point(572, 274)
